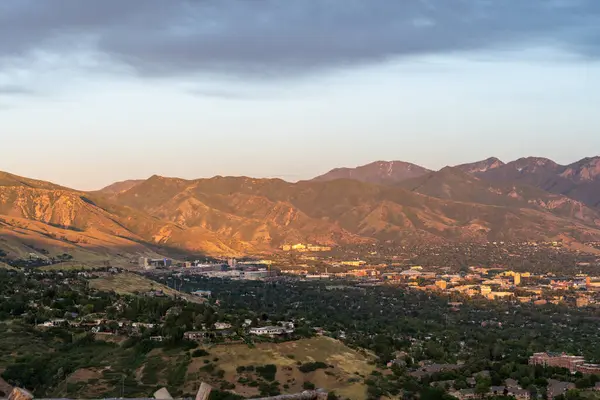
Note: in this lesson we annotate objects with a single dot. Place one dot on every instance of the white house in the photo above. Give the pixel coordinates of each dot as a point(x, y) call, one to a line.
point(270, 331)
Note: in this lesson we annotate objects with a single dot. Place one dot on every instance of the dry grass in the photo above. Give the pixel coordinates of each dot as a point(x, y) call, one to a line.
point(347, 364)
point(129, 283)
point(72, 266)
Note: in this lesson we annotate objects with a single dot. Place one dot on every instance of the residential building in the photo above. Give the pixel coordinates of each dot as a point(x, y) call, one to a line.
point(270, 331)
point(202, 293)
point(556, 388)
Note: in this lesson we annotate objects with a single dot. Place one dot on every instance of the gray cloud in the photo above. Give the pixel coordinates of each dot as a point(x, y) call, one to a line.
point(285, 37)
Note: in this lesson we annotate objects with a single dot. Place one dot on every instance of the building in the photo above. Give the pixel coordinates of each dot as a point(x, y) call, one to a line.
point(149, 263)
point(202, 293)
point(254, 275)
point(441, 284)
point(353, 263)
point(194, 335)
point(582, 301)
point(270, 331)
point(499, 295)
point(589, 369)
point(318, 248)
point(485, 290)
point(557, 360)
point(222, 325)
point(556, 388)
point(517, 279)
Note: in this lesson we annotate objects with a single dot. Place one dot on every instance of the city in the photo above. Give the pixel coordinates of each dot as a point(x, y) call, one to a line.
point(300, 200)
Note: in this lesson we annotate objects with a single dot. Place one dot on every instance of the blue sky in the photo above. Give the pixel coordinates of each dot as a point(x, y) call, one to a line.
point(111, 90)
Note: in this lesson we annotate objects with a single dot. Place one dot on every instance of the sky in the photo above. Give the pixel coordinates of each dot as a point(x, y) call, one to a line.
point(97, 92)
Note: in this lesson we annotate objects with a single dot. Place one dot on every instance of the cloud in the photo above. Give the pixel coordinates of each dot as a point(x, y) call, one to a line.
point(282, 37)
point(11, 90)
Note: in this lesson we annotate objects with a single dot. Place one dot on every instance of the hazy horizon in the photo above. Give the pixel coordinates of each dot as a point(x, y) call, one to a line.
point(96, 93)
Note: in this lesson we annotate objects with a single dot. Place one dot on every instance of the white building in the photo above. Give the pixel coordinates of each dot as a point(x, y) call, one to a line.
point(270, 331)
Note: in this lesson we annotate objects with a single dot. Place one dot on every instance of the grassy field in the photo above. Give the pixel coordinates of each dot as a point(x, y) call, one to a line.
point(344, 376)
point(71, 266)
point(129, 283)
point(104, 368)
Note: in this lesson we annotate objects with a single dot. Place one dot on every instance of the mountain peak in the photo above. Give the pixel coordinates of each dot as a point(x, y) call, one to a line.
point(481, 166)
point(377, 172)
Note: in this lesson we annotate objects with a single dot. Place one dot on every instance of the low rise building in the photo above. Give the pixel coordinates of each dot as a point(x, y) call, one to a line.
point(270, 331)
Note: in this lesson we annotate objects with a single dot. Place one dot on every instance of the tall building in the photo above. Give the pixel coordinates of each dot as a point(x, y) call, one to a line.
point(517, 279)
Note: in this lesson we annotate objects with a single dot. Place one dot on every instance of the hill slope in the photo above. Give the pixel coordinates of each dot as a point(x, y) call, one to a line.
point(119, 187)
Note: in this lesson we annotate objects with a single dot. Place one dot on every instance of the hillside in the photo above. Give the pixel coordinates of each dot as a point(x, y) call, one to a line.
point(337, 211)
point(379, 172)
point(119, 187)
point(128, 283)
point(238, 215)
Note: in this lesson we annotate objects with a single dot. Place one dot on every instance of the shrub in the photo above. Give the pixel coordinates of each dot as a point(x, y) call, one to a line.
point(267, 372)
point(308, 386)
point(312, 366)
point(200, 353)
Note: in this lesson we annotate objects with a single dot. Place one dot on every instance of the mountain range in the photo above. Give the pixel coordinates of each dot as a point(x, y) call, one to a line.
point(527, 199)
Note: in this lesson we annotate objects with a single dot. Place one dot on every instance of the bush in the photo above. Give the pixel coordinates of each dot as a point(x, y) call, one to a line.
point(208, 368)
point(308, 386)
point(227, 386)
point(267, 372)
point(200, 353)
point(240, 369)
point(312, 366)
point(269, 389)
point(223, 395)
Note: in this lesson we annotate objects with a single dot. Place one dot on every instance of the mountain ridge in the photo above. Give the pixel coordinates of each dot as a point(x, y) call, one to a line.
point(244, 215)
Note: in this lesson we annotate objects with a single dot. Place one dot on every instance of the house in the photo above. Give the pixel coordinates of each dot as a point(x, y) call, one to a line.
point(465, 394)
point(519, 394)
point(222, 325)
point(556, 388)
point(512, 384)
point(157, 338)
point(270, 331)
point(247, 323)
point(195, 335)
point(202, 293)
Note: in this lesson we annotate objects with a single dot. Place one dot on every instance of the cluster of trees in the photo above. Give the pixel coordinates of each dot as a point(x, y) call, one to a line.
point(387, 320)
